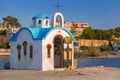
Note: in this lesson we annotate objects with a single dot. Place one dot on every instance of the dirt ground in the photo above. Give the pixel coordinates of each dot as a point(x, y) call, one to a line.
point(88, 73)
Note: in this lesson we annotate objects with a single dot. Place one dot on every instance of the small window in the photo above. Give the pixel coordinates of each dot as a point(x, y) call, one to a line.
point(65, 55)
point(31, 52)
point(70, 55)
point(25, 47)
point(19, 52)
point(46, 22)
point(118, 48)
point(49, 50)
point(39, 22)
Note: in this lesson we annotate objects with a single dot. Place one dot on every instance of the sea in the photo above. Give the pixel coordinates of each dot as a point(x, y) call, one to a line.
point(84, 62)
point(106, 62)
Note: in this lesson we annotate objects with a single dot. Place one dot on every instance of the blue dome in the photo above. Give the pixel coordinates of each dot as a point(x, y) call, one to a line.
point(40, 33)
point(43, 16)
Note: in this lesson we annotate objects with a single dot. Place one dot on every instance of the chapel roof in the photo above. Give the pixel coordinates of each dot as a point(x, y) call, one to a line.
point(41, 15)
point(40, 33)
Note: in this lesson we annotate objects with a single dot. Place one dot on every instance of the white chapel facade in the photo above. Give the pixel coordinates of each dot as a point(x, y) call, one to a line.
point(42, 47)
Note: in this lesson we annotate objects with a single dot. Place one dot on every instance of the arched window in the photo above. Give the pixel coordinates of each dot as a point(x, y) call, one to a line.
point(19, 52)
point(39, 21)
point(25, 47)
point(65, 55)
point(31, 51)
point(70, 54)
point(49, 50)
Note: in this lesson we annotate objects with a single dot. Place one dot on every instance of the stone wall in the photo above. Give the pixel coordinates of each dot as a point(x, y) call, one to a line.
point(4, 52)
point(92, 43)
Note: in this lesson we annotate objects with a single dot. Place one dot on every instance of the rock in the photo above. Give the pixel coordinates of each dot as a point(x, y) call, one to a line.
point(101, 66)
point(70, 67)
point(7, 65)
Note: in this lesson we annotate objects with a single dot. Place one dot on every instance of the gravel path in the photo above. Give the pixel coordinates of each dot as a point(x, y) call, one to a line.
point(89, 73)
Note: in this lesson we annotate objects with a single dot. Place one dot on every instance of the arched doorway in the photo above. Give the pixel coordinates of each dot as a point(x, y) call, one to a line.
point(58, 52)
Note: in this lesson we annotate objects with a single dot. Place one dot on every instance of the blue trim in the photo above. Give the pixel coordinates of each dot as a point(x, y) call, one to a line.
point(44, 16)
point(40, 33)
point(15, 36)
point(72, 37)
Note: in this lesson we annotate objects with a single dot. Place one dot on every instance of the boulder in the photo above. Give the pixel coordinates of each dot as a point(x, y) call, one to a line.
point(7, 65)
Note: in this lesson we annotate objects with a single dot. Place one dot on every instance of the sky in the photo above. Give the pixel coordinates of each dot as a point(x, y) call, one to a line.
point(99, 14)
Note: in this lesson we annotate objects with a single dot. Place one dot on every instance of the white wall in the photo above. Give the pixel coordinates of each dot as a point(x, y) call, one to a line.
point(37, 57)
point(43, 23)
point(26, 62)
point(40, 60)
point(48, 63)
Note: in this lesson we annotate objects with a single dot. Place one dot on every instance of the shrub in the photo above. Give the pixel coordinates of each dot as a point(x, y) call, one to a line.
point(90, 52)
point(3, 42)
point(109, 48)
point(3, 32)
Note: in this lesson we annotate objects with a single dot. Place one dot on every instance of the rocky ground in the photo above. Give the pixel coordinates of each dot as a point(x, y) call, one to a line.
point(88, 73)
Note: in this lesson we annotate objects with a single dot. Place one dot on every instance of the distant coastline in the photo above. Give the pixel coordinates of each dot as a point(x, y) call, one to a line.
point(104, 56)
point(5, 53)
point(108, 56)
point(5, 56)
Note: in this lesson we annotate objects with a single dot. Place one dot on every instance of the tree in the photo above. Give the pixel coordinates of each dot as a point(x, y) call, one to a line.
point(97, 34)
point(12, 21)
point(88, 34)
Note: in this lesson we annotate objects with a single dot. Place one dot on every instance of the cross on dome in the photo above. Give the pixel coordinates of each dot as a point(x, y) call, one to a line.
point(57, 6)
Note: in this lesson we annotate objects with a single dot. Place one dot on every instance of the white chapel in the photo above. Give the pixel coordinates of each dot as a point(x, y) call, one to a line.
point(43, 46)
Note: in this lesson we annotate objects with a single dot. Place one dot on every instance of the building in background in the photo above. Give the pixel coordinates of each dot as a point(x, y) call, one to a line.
point(70, 25)
point(81, 25)
point(76, 28)
point(116, 46)
point(9, 29)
